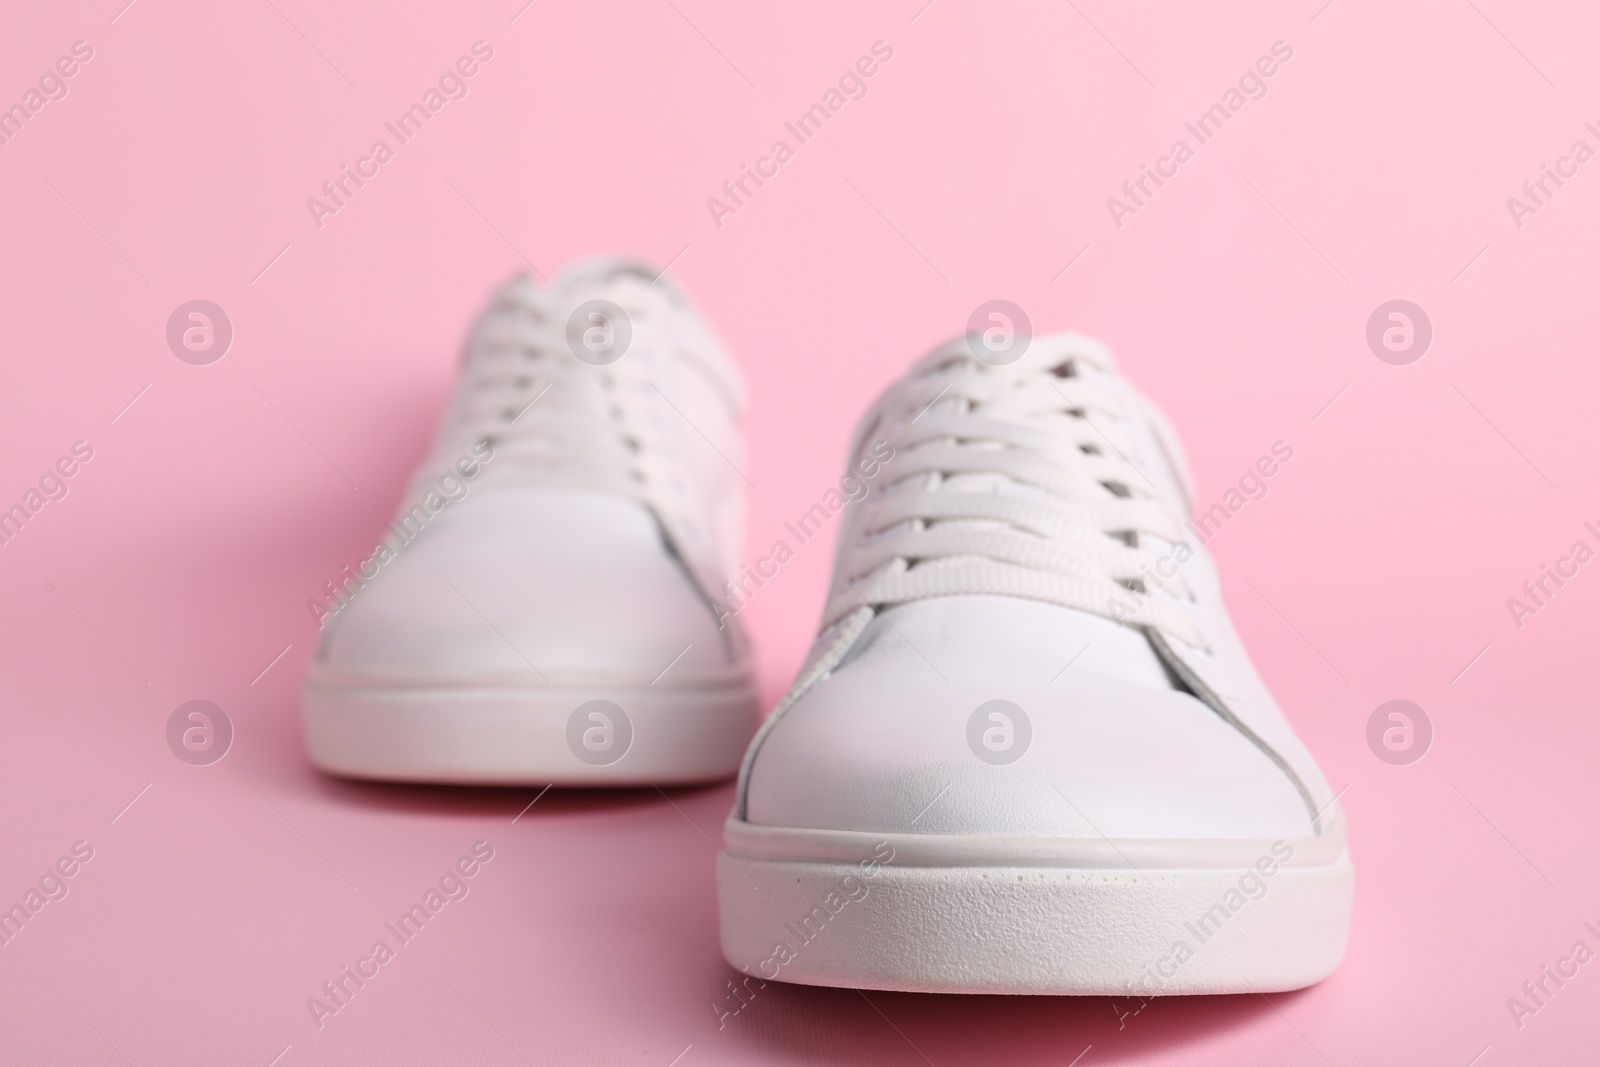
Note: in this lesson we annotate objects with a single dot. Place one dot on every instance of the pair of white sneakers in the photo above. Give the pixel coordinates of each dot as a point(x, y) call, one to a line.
point(1027, 752)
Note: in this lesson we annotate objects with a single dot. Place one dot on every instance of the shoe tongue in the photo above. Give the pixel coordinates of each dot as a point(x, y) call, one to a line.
point(602, 271)
point(582, 279)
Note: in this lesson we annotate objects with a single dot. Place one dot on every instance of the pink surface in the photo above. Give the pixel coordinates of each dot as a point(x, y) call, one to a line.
point(978, 165)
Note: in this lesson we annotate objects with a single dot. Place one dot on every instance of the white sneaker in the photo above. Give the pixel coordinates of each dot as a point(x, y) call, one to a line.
point(1027, 753)
point(545, 608)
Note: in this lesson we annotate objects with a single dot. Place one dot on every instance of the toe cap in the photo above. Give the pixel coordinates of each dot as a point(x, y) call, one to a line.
point(563, 584)
point(905, 738)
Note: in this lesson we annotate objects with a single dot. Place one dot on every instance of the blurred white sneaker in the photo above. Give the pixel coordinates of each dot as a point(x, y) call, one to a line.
point(1027, 753)
point(545, 606)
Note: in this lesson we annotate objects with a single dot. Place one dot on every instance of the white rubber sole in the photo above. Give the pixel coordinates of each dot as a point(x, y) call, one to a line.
point(530, 735)
point(956, 914)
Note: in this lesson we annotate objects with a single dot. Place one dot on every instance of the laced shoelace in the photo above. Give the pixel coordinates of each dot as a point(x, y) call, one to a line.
point(555, 420)
point(1014, 480)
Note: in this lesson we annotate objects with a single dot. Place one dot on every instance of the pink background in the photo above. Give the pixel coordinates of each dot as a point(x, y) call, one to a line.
point(978, 166)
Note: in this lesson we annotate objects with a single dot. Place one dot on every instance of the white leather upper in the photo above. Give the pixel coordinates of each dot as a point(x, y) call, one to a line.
point(571, 585)
point(884, 735)
point(1160, 728)
point(593, 546)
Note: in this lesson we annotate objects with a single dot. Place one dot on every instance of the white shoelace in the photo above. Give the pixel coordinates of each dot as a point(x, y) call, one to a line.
point(1014, 481)
point(555, 420)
